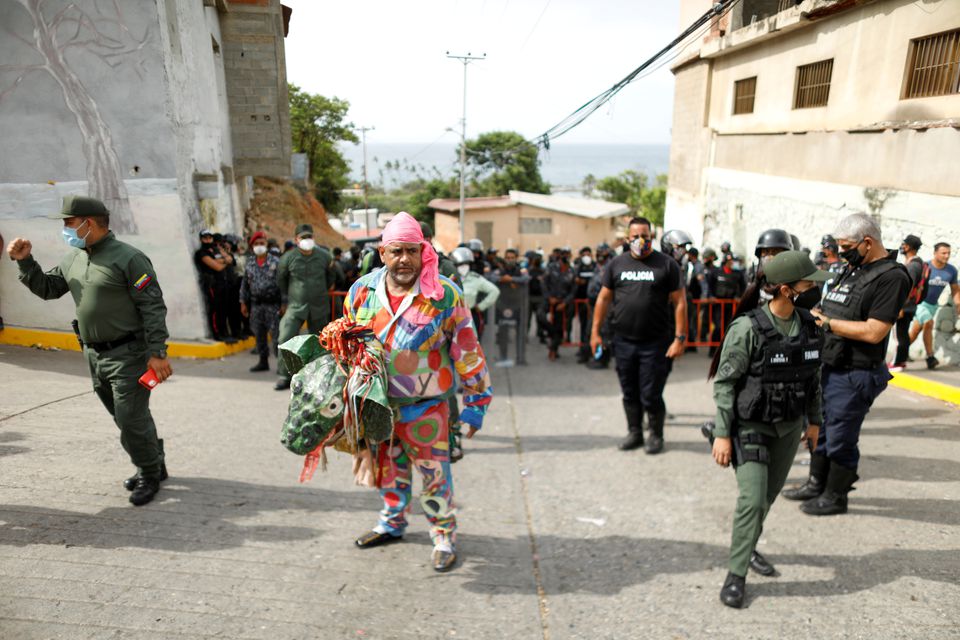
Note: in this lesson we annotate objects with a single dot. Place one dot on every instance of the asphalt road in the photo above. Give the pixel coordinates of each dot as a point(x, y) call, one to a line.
point(561, 535)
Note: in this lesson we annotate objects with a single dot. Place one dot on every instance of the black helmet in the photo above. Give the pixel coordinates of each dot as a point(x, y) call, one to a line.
point(773, 239)
point(796, 242)
point(674, 241)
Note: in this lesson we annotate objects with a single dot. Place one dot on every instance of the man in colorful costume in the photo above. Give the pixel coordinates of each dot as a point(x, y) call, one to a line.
point(430, 343)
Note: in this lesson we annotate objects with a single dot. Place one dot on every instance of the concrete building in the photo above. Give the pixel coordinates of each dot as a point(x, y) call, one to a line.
point(161, 108)
point(795, 117)
point(792, 114)
point(528, 221)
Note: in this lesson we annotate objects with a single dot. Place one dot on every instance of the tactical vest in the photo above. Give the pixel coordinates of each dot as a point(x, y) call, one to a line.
point(844, 301)
point(727, 285)
point(783, 371)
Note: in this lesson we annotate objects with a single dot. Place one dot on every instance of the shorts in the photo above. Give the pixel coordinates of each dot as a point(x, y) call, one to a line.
point(926, 311)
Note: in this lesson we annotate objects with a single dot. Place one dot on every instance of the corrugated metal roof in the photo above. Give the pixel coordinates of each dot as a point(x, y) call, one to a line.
point(582, 207)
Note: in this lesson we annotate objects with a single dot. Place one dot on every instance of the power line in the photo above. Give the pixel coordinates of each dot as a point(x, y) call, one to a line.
point(578, 116)
point(535, 25)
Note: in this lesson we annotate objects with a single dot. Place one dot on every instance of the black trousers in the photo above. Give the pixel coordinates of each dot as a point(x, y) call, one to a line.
point(722, 315)
point(643, 369)
point(903, 337)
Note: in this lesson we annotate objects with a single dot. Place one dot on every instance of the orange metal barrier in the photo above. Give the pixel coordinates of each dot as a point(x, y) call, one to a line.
point(710, 319)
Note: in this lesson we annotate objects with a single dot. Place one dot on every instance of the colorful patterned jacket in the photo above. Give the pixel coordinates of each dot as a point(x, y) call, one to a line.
point(429, 344)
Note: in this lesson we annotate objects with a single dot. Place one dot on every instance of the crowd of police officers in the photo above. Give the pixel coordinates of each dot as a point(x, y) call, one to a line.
point(801, 359)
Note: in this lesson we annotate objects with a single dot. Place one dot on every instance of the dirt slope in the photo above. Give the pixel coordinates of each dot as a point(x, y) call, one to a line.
point(278, 207)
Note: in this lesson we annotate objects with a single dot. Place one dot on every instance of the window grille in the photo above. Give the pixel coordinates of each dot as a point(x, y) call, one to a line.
point(744, 92)
point(813, 85)
point(933, 66)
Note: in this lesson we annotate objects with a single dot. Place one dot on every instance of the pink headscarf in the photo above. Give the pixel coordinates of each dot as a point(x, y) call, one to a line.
point(405, 228)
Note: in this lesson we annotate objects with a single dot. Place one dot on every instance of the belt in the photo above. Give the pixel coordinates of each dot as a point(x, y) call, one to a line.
point(100, 347)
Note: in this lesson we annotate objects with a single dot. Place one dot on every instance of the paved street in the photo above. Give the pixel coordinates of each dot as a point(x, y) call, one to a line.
point(562, 536)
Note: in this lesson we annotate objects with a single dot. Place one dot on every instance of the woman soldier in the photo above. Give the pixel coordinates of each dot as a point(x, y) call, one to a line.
point(766, 387)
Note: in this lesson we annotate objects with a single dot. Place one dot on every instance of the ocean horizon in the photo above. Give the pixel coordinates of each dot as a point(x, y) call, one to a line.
point(564, 166)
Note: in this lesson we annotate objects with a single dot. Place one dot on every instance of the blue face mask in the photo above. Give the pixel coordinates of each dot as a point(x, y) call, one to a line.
point(71, 237)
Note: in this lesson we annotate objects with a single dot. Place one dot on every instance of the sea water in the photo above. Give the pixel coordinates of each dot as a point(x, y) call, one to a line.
point(564, 166)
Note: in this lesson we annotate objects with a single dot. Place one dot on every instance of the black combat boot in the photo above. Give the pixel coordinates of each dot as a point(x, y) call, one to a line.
point(131, 482)
point(263, 365)
point(833, 500)
point(655, 441)
point(813, 487)
point(144, 491)
point(733, 591)
point(634, 439)
point(761, 565)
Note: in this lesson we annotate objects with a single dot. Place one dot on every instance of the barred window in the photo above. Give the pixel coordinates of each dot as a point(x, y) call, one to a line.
point(536, 225)
point(744, 92)
point(933, 66)
point(813, 85)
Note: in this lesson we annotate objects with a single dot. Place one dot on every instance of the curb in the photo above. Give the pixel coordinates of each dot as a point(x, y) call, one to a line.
point(21, 337)
point(929, 388)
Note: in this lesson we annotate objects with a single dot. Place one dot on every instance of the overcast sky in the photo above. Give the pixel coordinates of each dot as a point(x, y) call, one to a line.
point(545, 59)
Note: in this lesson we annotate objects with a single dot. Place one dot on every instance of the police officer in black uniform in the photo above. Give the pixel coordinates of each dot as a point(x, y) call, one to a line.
point(212, 268)
point(584, 267)
point(857, 314)
point(511, 310)
point(645, 289)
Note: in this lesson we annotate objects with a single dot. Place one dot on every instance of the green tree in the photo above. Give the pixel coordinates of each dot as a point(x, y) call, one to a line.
point(633, 189)
point(317, 124)
point(499, 161)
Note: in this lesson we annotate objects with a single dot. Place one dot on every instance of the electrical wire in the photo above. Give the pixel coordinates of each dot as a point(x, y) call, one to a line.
point(577, 117)
point(535, 25)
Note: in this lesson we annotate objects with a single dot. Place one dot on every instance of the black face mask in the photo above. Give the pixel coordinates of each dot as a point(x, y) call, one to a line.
point(853, 257)
point(807, 299)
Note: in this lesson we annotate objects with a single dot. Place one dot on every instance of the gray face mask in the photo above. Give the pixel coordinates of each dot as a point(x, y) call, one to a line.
point(463, 270)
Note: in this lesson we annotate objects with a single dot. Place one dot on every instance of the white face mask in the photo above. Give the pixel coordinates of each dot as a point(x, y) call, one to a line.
point(587, 260)
point(260, 249)
point(307, 244)
point(463, 270)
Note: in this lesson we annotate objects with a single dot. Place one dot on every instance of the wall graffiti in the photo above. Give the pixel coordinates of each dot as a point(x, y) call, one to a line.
point(101, 30)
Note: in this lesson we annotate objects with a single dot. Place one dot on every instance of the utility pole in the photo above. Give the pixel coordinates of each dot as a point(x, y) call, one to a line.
point(467, 59)
point(366, 206)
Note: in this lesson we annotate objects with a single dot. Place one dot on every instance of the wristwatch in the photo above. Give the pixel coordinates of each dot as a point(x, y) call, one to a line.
point(680, 338)
point(825, 324)
point(162, 354)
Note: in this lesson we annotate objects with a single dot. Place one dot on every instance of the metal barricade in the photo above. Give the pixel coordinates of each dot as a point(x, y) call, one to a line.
point(712, 315)
point(337, 299)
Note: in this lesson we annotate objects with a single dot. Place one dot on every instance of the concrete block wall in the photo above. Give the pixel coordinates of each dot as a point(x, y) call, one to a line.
point(256, 84)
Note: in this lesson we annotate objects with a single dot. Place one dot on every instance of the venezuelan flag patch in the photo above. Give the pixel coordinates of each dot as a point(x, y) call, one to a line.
point(142, 282)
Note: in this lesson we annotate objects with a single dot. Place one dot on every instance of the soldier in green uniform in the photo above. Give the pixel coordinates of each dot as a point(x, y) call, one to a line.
point(766, 388)
point(121, 321)
point(305, 277)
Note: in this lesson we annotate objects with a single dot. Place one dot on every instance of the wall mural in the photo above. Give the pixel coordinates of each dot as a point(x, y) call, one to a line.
point(99, 28)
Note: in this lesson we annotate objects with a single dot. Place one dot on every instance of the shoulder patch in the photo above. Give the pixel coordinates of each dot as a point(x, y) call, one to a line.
point(726, 370)
point(142, 282)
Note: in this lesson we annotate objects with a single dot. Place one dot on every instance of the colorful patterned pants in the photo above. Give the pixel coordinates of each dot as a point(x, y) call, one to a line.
point(422, 443)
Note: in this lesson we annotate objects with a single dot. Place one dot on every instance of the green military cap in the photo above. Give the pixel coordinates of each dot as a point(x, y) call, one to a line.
point(81, 206)
point(790, 266)
point(304, 228)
